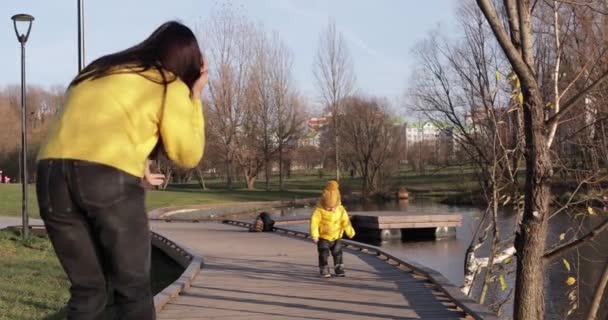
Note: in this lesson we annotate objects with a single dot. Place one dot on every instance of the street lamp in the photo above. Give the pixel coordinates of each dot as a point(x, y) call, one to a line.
point(23, 19)
point(80, 6)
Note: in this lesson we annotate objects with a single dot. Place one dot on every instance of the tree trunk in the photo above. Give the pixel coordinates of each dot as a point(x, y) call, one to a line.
point(229, 174)
point(337, 143)
point(281, 182)
point(250, 182)
point(268, 172)
point(530, 239)
point(201, 179)
point(168, 176)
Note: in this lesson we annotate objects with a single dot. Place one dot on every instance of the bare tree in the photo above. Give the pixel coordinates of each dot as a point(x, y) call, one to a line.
point(368, 139)
point(227, 39)
point(516, 38)
point(460, 84)
point(335, 78)
point(465, 83)
point(250, 151)
point(261, 93)
point(288, 105)
point(290, 125)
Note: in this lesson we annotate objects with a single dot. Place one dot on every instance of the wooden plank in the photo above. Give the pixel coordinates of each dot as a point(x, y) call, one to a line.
point(391, 219)
point(405, 225)
point(182, 255)
point(424, 218)
point(406, 221)
point(400, 214)
point(473, 309)
point(269, 276)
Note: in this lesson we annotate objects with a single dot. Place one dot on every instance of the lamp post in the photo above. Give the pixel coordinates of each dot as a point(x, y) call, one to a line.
point(80, 6)
point(23, 19)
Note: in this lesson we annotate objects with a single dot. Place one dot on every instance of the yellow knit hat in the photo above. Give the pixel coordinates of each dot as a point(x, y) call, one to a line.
point(331, 195)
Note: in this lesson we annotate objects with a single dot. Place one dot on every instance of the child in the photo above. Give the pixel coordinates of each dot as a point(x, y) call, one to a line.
point(328, 223)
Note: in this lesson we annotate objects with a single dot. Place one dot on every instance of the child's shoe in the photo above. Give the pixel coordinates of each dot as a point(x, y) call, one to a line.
point(339, 269)
point(324, 271)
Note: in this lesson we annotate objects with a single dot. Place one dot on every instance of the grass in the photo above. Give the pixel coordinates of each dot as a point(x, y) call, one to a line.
point(188, 194)
point(34, 286)
point(32, 283)
point(10, 197)
point(435, 181)
point(10, 200)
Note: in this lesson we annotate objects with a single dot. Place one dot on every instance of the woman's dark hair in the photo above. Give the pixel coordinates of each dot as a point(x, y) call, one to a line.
point(171, 47)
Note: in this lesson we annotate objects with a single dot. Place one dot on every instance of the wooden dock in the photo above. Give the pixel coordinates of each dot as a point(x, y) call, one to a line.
point(390, 225)
point(249, 275)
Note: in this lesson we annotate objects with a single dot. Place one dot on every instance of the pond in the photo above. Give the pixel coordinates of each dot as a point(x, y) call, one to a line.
point(447, 255)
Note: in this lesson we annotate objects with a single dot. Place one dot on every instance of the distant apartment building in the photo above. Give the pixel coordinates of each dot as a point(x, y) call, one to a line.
point(427, 131)
point(436, 135)
point(314, 129)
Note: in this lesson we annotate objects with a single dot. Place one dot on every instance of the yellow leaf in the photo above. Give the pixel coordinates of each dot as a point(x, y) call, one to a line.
point(562, 236)
point(498, 75)
point(503, 282)
point(591, 211)
point(570, 281)
point(567, 264)
point(521, 98)
point(508, 260)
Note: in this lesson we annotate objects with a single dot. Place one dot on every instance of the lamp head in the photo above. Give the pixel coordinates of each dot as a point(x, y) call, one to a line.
point(22, 18)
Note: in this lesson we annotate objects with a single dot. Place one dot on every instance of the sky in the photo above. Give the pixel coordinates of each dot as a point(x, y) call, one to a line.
point(379, 34)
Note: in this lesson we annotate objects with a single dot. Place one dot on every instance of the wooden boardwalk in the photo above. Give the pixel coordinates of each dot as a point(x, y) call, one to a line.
point(272, 276)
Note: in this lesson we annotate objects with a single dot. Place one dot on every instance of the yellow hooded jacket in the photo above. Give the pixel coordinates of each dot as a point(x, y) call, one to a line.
point(330, 225)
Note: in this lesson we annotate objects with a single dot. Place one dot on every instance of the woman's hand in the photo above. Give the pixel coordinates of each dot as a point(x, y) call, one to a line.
point(152, 179)
point(202, 80)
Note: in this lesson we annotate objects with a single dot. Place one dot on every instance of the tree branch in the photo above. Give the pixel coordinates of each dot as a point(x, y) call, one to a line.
point(577, 98)
point(587, 5)
point(510, 5)
point(556, 252)
point(512, 53)
point(599, 294)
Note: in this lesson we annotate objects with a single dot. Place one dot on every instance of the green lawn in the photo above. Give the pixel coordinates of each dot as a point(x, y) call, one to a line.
point(34, 286)
point(10, 200)
point(437, 181)
point(32, 283)
point(10, 197)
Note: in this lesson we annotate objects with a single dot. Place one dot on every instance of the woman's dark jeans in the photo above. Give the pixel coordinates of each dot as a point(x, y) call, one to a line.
point(96, 219)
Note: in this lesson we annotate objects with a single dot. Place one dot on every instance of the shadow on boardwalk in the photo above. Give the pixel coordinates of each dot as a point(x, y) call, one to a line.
point(267, 276)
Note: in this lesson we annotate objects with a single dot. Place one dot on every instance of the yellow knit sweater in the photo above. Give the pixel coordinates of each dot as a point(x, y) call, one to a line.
point(117, 120)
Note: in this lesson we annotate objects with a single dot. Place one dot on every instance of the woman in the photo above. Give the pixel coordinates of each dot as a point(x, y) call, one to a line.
point(90, 169)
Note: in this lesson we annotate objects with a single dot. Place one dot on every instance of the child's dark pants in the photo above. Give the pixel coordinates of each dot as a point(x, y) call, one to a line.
point(325, 247)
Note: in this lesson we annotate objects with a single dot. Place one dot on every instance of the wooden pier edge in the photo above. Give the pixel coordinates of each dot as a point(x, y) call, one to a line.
point(466, 304)
point(184, 257)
